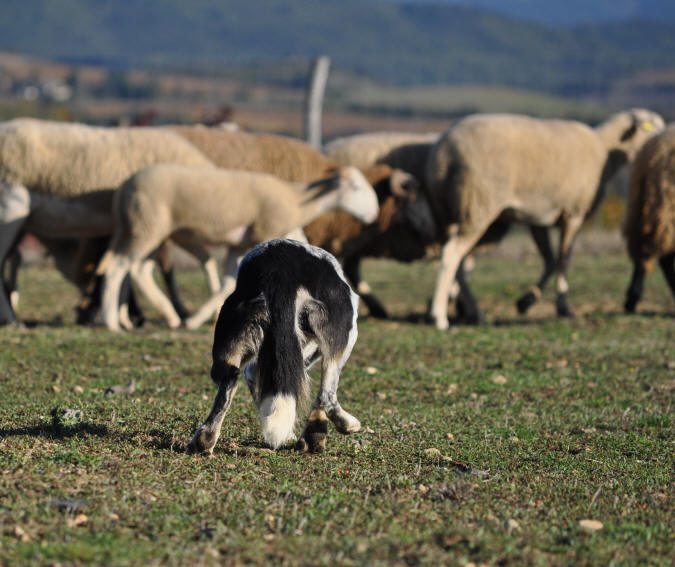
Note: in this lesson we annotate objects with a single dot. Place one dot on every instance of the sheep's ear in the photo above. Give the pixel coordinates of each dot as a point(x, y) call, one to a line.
point(632, 130)
point(403, 184)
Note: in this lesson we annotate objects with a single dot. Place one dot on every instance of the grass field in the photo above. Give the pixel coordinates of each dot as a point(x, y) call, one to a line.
point(484, 445)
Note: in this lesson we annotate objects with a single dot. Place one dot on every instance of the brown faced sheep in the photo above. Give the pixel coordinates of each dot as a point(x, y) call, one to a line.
point(402, 229)
point(405, 212)
point(650, 220)
point(541, 172)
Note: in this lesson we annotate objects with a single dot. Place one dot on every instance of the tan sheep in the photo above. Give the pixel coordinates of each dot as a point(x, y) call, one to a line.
point(650, 219)
point(238, 209)
point(541, 172)
point(404, 225)
point(57, 179)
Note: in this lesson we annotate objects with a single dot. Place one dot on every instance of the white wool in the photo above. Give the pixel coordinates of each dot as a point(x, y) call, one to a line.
point(277, 419)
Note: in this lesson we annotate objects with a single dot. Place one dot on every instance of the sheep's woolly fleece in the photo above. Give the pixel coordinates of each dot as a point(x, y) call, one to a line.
point(650, 220)
point(71, 159)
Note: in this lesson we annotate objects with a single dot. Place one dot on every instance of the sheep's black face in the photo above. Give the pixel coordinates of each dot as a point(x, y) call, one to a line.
point(417, 213)
point(399, 242)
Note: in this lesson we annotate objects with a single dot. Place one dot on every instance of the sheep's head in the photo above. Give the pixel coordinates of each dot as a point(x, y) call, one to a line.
point(632, 128)
point(357, 196)
point(405, 225)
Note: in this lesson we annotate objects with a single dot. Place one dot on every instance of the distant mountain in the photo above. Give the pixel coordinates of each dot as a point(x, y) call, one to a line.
point(570, 12)
point(409, 43)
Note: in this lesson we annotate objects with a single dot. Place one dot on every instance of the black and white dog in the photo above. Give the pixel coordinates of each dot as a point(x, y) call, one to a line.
point(291, 307)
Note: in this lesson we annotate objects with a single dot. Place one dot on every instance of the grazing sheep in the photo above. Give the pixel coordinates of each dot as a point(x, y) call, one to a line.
point(404, 226)
point(291, 306)
point(408, 152)
point(401, 150)
point(404, 210)
point(238, 209)
point(402, 231)
point(650, 220)
point(57, 178)
point(541, 172)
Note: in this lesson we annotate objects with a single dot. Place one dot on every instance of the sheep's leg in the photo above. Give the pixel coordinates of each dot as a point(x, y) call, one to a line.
point(453, 251)
point(216, 300)
point(667, 264)
point(90, 302)
point(136, 317)
point(9, 283)
point(141, 273)
point(541, 238)
point(352, 268)
point(14, 210)
point(568, 232)
point(131, 315)
point(634, 291)
point(467, 306)
point(208, 263)
point(115, 267)
point(165, 261)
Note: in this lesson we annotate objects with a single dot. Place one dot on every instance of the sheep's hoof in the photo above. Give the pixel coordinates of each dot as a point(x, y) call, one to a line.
point(346, 423)
point(191, 324)
point(631, 303)
point(85, 316)
point(202, 443)
point(525, 302)
point(562, 308)
point(375, 309)
point(469, 313)
point(442, 324)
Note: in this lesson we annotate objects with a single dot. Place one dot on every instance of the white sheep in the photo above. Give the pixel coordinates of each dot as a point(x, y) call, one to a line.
point(290, 308)
point(542, 172)
point(57, 179)
point(409, 152)
point(404, 211)
point(650, 217)
point(237, 209)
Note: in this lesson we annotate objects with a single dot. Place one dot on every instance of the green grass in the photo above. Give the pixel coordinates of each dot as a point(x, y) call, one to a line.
point(580, 429)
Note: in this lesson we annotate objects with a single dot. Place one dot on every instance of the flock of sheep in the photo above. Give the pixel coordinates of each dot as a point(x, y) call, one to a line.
point(106, 202)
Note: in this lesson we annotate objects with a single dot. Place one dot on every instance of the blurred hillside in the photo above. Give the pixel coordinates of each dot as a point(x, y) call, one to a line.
point(391, 42)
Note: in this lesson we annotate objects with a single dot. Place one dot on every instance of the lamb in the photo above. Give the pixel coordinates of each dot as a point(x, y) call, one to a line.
point(291, 306)
point(650, 220)
point(404, 210)
point(542, 172)
point(57, 179)
point(238, 209)
point(404, 226)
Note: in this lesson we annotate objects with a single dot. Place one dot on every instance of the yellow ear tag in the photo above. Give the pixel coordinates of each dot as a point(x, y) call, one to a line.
point(648, 126)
